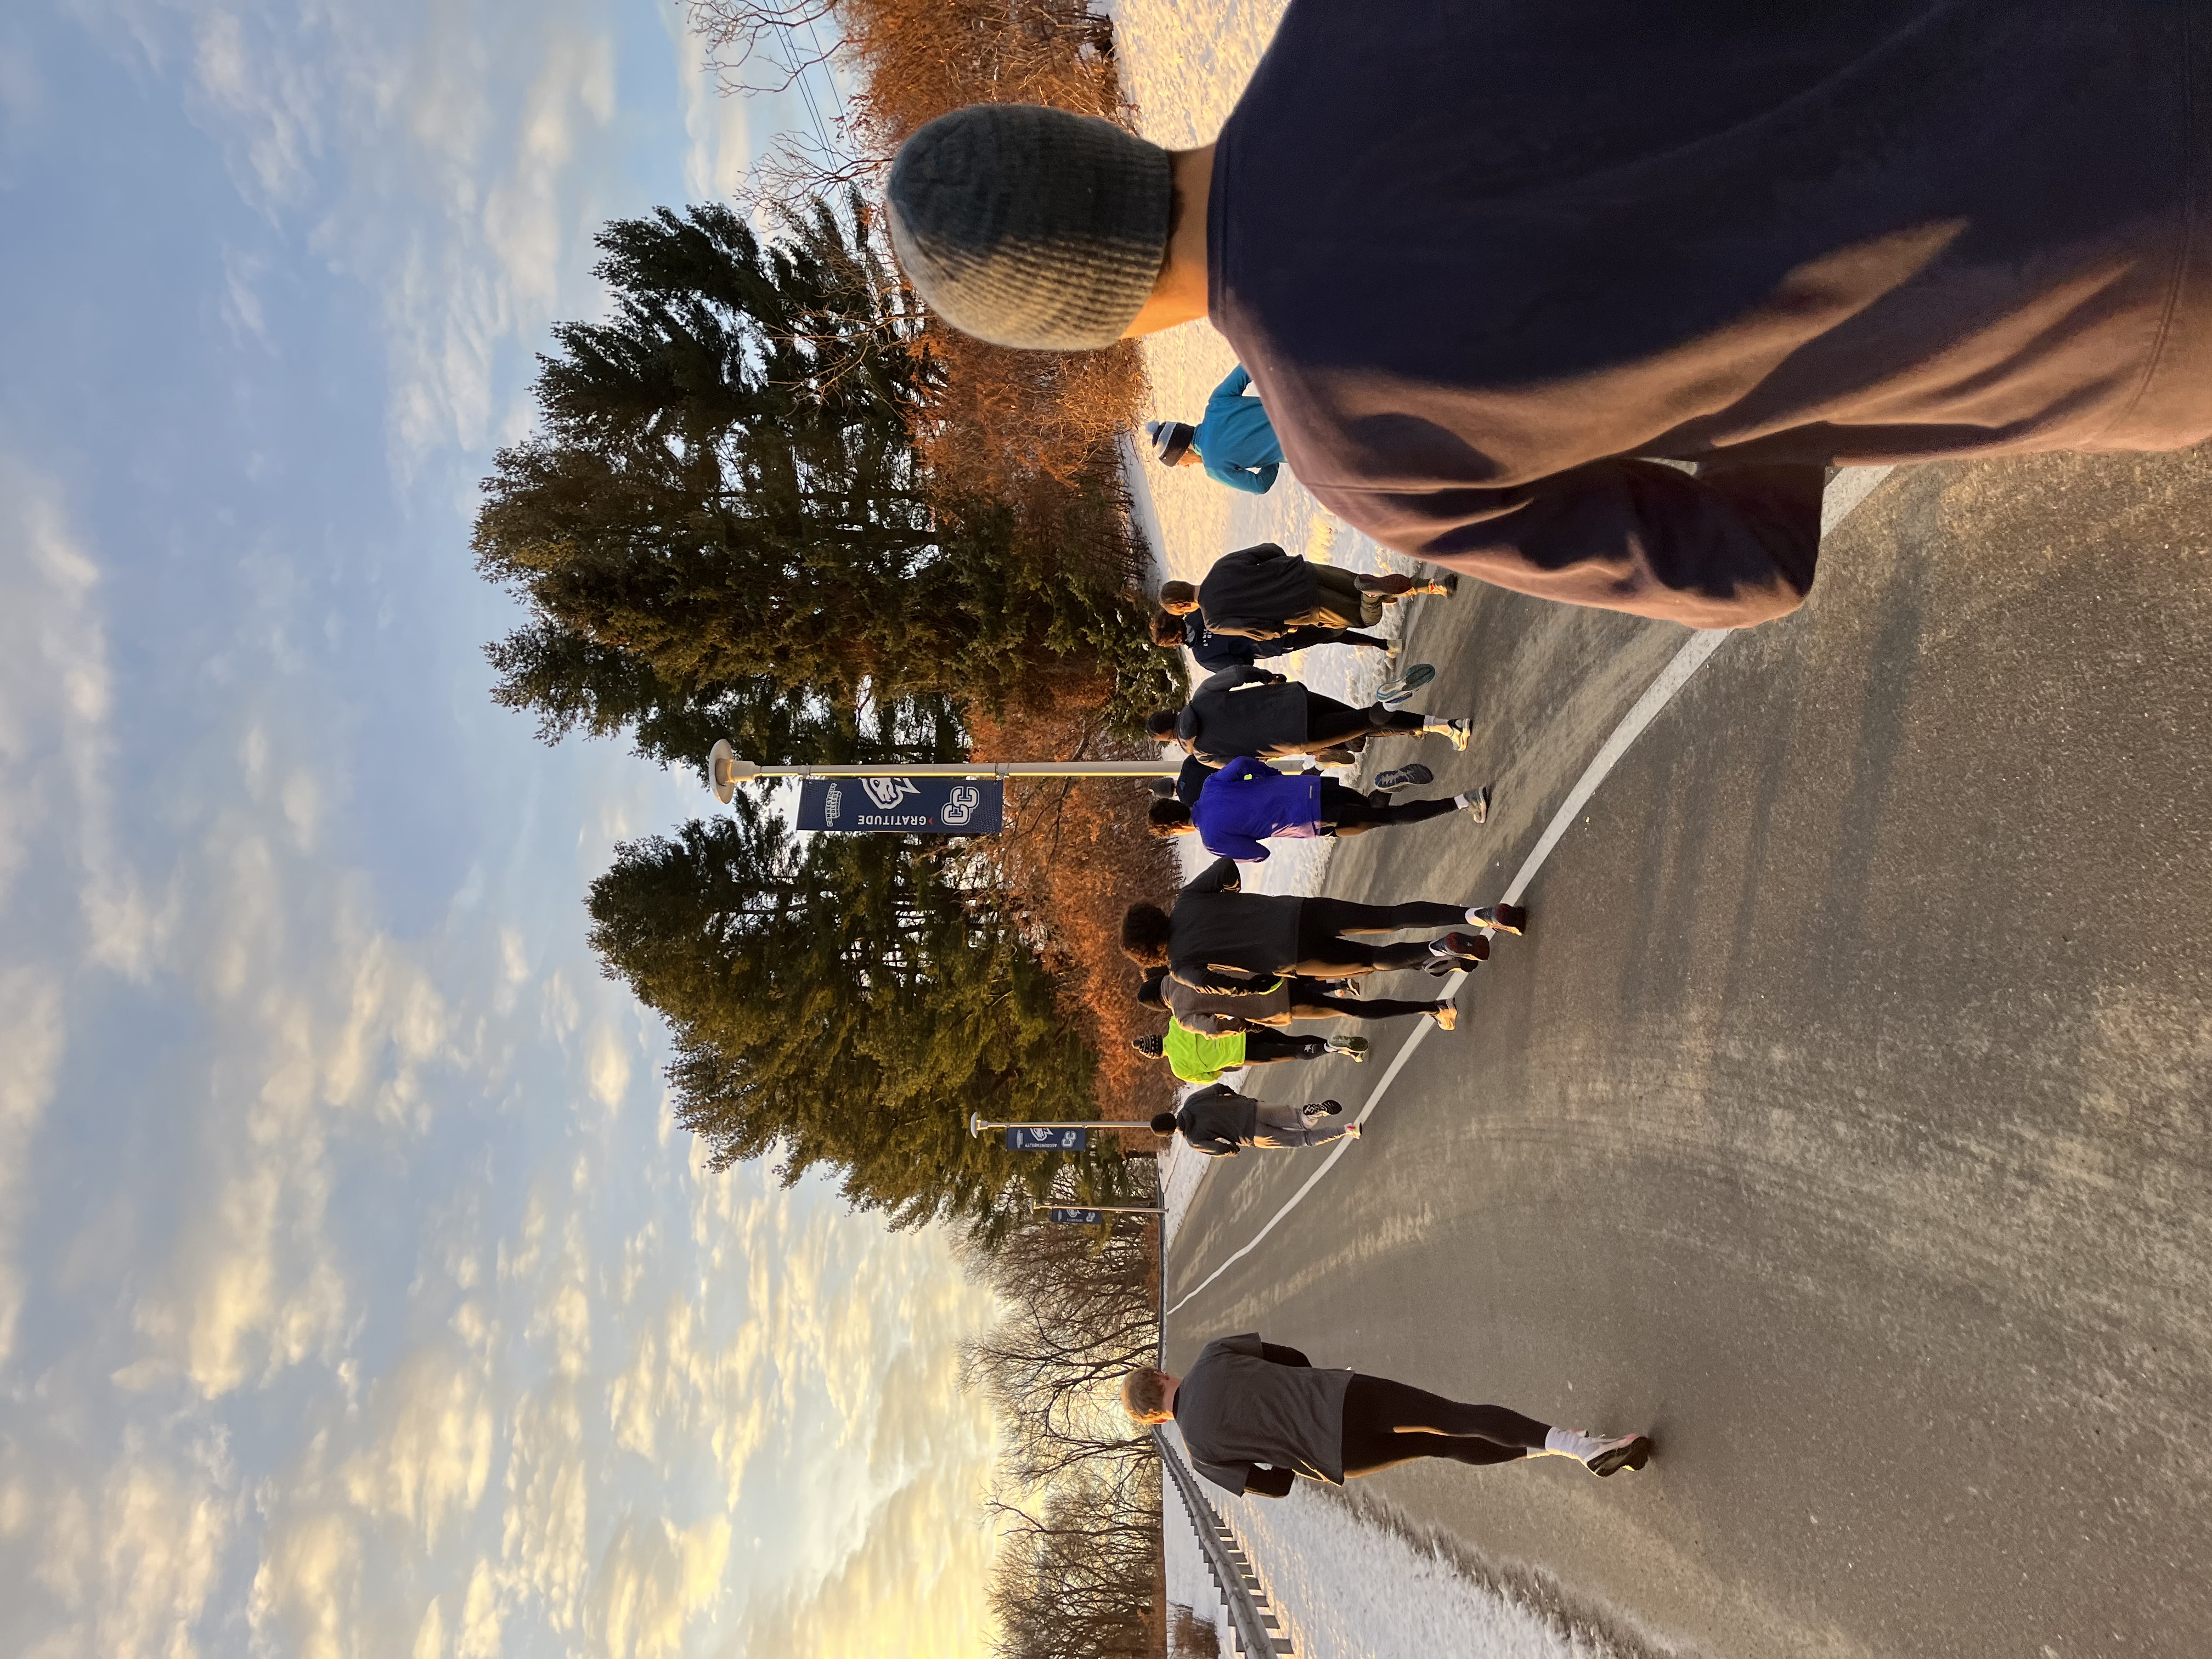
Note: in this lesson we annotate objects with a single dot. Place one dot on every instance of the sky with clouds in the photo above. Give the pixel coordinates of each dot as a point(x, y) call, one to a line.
point(356, 1296)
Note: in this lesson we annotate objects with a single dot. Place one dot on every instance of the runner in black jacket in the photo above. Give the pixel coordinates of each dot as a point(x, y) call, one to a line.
point(1214, 652)
point(1256, 1414)
point(1251, 711)
point(1220, 938)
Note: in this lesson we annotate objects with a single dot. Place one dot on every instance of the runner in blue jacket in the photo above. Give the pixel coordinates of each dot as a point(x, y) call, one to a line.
point(1249, 801)
point(1234, 440)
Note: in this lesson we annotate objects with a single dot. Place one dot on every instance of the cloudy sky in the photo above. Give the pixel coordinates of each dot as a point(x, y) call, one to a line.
point(354, 1295)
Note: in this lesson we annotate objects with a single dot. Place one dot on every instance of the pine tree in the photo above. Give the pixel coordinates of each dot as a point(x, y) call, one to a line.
point(724, 506)
point(847, 1002)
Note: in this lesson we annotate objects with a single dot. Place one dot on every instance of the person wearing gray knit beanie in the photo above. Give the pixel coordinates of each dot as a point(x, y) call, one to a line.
point(1030, 227)
point(1492, 268)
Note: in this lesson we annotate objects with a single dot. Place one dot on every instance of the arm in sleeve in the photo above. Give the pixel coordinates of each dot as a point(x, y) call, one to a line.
point(1252, 480)
point(1242, 674)
point(1232, 1478)
point(1210, 1146)
point(1733, 546)
point(1244, 768)
point(1219, 876)
point(1276, 1354)
point(1232, 384)
point(1304, 639)
point(1268, 1482)
point(1222, 979)
point(1241, 849)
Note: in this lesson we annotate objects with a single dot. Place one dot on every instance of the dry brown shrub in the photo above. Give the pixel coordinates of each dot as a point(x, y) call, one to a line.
point(1001, 415)
point(1075, 854)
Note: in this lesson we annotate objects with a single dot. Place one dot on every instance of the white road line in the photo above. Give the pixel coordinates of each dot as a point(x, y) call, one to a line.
point(1846, 493)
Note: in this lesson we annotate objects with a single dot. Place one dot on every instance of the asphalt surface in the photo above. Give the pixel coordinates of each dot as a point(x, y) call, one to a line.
point(1843, 1120)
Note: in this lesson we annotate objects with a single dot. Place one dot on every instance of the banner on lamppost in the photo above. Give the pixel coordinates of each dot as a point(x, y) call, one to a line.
point(1020, 1140)
point(1080, 1218)
point(927, 806)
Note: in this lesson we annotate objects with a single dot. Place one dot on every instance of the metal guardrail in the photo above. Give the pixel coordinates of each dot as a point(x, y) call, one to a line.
point(1258, 1630)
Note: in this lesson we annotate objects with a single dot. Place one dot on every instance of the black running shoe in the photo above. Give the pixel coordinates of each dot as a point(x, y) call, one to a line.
point(1404, 777)
point(1471, 947)
point(1630, 1452)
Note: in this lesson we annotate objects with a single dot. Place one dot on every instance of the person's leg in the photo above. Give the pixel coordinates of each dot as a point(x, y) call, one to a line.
point(1314, 1005)
point(1390, 586)
point(1327, 956)
point(1339, 601)
point(1340, 916)
point(1265, 1047)
point(1367, 815)
point(1329, 722)
point(1282, 1127)
point(1387, 1423)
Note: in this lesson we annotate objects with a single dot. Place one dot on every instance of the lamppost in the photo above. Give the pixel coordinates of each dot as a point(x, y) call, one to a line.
point(977, 1126)
point(728, 771)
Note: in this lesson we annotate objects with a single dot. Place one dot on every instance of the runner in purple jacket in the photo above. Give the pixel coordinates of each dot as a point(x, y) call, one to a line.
point(1249, 801)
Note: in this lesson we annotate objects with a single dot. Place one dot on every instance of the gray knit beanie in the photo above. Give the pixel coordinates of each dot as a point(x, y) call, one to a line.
point(1030, 227)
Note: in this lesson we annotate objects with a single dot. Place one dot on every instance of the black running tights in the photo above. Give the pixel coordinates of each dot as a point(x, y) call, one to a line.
point(1262, 1046)
point(1329, 721)
point(1312, 1005)
point(1324, 953)
point(1387, 1423)
point(1351, 811)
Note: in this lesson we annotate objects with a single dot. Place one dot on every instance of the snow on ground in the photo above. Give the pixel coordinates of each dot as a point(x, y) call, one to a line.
point(1343, 1584)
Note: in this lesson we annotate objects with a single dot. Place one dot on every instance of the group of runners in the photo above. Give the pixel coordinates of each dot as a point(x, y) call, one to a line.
point(1585, 302)
point(1232, 969)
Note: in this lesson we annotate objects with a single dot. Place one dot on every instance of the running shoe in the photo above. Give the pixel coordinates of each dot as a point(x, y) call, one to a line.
point(1463, 946)
point(1395, 693)
point(1352, 1132)
point(1446, 1016)
point(1405, 777)
point(1500, 918)
point(1353, 1048)
point(1314, 1111)
point(1458, 731)
point(1631, 1451)
point(1476, 801)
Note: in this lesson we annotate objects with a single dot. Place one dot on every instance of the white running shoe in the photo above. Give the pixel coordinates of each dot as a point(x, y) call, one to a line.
point(1396, 693)
point(1476, 801)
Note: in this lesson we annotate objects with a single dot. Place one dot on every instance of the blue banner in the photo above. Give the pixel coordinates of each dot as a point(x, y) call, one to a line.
point(1046, 1140)
point(1081, 1217)
point(926, 806)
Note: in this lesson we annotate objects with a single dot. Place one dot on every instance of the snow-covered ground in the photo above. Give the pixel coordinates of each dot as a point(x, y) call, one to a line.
point(1344, 1584)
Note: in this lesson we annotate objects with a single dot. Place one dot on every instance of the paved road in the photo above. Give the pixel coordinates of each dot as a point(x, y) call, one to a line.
point(1844, 1119)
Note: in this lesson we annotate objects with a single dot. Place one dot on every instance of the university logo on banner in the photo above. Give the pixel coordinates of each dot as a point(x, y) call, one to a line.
point(1020, 1140)
point(1081, 1217)
point(926, 806)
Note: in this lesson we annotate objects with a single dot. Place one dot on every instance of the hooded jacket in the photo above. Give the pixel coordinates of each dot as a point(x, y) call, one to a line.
point(1243, 711)
point(1253, 1414)
point(1570, 242)
point(1256, 592)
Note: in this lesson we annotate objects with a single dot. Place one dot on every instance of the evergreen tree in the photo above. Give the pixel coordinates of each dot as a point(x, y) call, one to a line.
point(846, 1001)
point(724, 506)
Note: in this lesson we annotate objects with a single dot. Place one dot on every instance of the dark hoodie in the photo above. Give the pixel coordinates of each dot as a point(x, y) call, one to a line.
point(1480, 255)
point(1245, 711)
